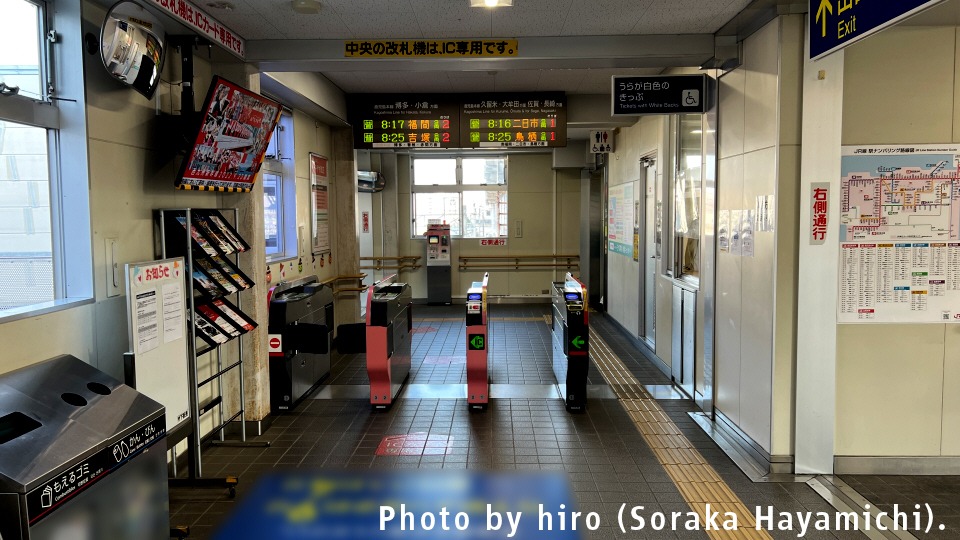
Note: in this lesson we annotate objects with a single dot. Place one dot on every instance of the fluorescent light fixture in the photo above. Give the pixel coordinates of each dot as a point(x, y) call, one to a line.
point(306, 7)
point(490, 3)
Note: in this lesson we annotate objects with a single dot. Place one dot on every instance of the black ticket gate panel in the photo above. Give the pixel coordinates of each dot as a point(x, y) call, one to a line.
point(300, 340)
point(571, 341)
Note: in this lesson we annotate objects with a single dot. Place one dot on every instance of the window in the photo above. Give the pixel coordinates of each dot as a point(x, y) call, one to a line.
point(273, 213)
point(685, 192)
point(468, 193)
point(40, 164)
point(280, 193)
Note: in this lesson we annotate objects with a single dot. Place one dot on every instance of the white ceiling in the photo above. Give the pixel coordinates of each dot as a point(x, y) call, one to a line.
point(571, 81)
point(394, 19)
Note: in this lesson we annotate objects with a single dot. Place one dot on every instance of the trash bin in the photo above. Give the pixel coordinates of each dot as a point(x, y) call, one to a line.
point(79, 456)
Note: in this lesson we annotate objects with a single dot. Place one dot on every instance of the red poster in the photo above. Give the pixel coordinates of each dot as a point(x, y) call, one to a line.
point(319, 186)
point(233, 138)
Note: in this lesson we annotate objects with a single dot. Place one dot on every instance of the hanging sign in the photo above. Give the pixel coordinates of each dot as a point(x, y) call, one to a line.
point(431, 48)
point(197, 20)
point(835, 24)
point(658, 94)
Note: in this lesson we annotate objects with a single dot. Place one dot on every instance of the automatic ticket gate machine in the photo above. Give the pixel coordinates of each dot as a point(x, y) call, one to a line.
point(438, 263)
point(389, 328)
point(478, 346)
point(571, 341)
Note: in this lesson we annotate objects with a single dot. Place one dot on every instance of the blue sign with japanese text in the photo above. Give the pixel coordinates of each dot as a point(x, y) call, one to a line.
point(834, 24)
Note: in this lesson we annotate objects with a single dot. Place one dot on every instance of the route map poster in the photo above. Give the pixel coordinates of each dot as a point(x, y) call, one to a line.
point(900, 234)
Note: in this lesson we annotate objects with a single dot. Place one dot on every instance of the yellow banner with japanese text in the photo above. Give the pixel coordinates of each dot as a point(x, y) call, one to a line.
point(431, 48)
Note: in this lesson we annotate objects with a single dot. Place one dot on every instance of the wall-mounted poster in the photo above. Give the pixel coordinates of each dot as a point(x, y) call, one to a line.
point(899, 233)
point(231, 140)
point(620, 219)
point(320, 190)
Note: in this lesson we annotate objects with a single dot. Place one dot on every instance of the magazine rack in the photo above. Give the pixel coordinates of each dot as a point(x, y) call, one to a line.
point(207, 240)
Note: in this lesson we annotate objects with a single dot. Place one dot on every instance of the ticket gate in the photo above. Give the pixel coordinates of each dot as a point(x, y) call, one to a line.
point(478, 346)
point(300, 340)
point(571, 341)
point(389, 329)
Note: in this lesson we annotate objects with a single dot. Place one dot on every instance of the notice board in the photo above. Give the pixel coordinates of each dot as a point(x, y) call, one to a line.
point(620, 219)
point(157, 330)
point(899, 234)
point(320, 197)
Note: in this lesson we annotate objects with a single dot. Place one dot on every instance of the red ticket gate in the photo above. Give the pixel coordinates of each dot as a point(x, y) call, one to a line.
point(389, 325)
point(478, 346)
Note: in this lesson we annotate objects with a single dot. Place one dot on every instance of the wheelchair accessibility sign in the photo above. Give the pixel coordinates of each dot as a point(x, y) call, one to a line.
point(658, 94)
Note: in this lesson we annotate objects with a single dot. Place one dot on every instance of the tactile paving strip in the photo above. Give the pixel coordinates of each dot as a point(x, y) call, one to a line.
point(697, 481)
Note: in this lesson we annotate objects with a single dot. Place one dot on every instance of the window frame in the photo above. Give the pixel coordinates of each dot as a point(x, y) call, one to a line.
point(63, 103)
point(459, 188)
point(282, 166)
point(671, 241)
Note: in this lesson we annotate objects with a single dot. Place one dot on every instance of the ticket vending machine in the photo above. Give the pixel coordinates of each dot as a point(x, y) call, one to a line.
point(438, 263)
point(389, 329)
point(571, 341)
point(478, 346)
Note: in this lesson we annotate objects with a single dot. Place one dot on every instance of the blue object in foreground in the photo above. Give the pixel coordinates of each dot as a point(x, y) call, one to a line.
point(349, 504)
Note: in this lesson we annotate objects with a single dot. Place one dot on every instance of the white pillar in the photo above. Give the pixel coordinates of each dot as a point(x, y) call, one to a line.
point(817, 282)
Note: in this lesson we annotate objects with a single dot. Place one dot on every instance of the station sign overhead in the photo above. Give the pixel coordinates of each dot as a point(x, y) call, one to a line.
point(494, 120)
point(835, 24)
point(658, 94)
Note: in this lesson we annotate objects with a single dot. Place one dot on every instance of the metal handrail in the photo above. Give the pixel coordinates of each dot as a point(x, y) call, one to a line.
point(414, 257)
point(351, 289)
point(338, 278)
point(397, 267)
point(519, 256)
point(518, 265)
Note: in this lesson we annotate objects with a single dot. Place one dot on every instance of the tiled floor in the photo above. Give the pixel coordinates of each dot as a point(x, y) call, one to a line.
point(605, 455)
point(942, 493)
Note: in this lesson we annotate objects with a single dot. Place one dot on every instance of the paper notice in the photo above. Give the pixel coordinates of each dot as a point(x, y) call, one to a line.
point(147, 330)
point(735, 217)
point(746, 233)
point(723, 231)
point(172, 312)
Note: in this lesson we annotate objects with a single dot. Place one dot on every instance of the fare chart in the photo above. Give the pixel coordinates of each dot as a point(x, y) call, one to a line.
point(900, 234)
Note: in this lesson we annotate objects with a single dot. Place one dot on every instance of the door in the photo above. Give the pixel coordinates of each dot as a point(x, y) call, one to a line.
point(648, 256)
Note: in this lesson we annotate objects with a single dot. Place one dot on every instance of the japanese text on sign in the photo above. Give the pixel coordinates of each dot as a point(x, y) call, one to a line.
point(819, 200)
point(203, 23)
point(433, 48)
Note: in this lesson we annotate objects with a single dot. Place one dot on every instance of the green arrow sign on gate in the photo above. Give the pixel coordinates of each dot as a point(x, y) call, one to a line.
point(476, 342)
point(578, 342)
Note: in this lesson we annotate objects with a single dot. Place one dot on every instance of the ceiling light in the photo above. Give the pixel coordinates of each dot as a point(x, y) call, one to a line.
point(490, 3)
point(306, 7)
point(222, 5)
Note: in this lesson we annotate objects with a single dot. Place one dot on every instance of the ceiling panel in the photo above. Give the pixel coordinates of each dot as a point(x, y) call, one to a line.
point(385, 19)
point(279, 14)
point(390, 25)
point(528, 23)
point(571, 81)
point(604, 17)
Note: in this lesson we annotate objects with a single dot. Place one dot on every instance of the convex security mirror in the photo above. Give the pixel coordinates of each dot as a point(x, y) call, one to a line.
point(132, 45)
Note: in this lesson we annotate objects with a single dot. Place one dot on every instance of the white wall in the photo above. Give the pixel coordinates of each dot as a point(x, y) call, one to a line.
point(759, 143)
point(898, 385)
point(548, 203)
point(623, 301)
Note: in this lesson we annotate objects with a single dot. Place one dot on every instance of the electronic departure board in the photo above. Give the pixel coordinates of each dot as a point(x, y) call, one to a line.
point(404, 121)
point(522, 119)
